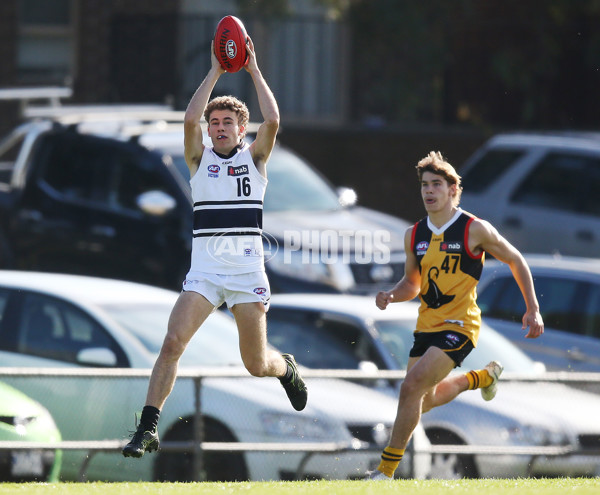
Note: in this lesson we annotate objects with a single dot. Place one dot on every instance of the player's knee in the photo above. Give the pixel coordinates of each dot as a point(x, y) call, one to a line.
point(172, 347)
point(256, 367)
point(411, 387)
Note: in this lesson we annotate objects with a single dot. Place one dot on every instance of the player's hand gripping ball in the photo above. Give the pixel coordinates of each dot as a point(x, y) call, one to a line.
point(230, 44)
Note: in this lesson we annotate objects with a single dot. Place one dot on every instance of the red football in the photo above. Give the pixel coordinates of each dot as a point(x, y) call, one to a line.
point(230, 44)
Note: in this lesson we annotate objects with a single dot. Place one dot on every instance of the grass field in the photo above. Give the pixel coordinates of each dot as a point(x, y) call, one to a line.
point(561, 486)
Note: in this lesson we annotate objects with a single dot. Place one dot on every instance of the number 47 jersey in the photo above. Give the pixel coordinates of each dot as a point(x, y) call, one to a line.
point(449, 275)
point(228, 198)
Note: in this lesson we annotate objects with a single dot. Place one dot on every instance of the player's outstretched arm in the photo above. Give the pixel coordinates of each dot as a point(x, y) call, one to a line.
point(483, 236)
point(267, 132)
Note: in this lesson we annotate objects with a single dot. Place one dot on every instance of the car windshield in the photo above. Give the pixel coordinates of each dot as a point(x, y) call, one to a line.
point(293, 184)
point(215, 344)
point(397, 336)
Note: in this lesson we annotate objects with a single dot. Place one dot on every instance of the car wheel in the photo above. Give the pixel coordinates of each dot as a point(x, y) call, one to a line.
point(450, 466)
point(218, 466)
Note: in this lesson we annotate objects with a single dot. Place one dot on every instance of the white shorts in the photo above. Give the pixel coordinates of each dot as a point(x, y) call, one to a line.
point(231, 289)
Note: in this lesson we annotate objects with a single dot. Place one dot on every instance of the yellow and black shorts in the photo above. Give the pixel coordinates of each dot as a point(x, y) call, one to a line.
point(456, 345)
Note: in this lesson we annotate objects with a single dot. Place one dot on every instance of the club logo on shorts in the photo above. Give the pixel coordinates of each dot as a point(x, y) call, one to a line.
point(452, 339)
point(213, 171)
point(261, 291)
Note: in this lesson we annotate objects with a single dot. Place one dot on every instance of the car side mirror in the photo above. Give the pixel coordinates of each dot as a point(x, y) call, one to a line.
point(156, 203)
point(97, 356)
point(346, 196)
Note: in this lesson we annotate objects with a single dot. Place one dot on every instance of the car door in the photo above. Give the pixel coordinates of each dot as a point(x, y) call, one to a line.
point(38, 330)
point(566, 309)
point(83, 212)
point(556, 207)
point(144, 227)
point(321, 340)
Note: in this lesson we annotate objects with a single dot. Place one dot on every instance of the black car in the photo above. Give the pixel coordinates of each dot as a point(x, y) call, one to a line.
point(115, 201)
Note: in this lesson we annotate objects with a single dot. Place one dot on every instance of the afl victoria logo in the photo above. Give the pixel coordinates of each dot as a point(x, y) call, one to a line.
point(231, 49)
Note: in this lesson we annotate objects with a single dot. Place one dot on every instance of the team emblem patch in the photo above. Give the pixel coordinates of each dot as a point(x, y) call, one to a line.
point(452, 339)
point(422, 248)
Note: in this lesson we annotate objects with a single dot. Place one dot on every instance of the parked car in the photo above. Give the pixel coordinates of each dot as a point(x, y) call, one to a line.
point(568, 290)
point(112, 199)
point(539, 190)
point(68, 321)
point(22, 419)
point(350, 332)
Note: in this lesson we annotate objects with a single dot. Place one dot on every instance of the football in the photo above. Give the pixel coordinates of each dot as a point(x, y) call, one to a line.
point(230, 44)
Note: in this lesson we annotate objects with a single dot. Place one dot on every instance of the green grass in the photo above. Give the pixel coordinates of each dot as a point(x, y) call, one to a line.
point(560, 486)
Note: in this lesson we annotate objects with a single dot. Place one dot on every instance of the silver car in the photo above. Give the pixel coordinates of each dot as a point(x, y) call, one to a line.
point(332, 331)
point(53, 320)
point(568, 289)
point(539, 190)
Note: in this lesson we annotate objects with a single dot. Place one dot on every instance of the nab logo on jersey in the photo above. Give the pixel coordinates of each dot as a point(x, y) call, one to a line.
point(235, 171)
point(451, 247)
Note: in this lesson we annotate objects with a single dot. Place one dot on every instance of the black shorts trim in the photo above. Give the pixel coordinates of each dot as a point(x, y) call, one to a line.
point(455, 344)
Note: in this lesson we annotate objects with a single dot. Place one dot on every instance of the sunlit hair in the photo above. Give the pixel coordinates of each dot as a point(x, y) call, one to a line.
point(229, 103)
point(434, 162)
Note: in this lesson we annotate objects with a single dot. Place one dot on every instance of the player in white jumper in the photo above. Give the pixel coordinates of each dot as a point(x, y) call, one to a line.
point(228, 184)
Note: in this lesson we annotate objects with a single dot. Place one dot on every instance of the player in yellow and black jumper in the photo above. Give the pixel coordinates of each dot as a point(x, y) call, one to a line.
point(444, 259)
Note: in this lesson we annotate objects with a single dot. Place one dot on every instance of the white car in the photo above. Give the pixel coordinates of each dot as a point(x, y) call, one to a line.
point(339, 331)
point(568, 289)
point(530, 186)
point(53, 320)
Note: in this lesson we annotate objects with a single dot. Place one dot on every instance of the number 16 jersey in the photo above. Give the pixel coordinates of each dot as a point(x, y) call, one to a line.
point(228, 198)
point(449, 276)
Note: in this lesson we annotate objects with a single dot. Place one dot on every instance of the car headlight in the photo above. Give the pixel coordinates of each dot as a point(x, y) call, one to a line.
point(307, 265)
point(298, 427)
point(537, 435)
point(378, 434)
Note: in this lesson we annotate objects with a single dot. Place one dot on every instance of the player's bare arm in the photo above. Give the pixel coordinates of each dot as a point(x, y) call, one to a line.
point(408, 287)
point(263, 145)
point(193, 146)
point(484, 237)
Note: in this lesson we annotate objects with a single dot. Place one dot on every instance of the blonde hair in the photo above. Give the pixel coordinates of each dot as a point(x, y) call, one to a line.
point(229, 103)
point(435, 163)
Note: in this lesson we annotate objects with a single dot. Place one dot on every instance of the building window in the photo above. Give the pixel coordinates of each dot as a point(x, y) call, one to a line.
point(46, 44)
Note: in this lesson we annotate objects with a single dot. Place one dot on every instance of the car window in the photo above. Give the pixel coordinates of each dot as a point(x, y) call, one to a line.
point(488, 168)
point(76, 167)
point(134, 174)
point(5, 337)
point(563, 181)
point(98, 171)
point(591, 323)
point(294, 185)
point(54, 329)
point(397, 337)
point(316, 342)
point(560, 302)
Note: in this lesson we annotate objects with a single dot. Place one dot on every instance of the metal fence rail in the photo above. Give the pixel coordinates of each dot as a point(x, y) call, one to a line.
point(197, 446)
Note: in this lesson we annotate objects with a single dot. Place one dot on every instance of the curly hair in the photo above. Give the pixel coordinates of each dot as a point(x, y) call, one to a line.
point(228, 103)
point(435, 163)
